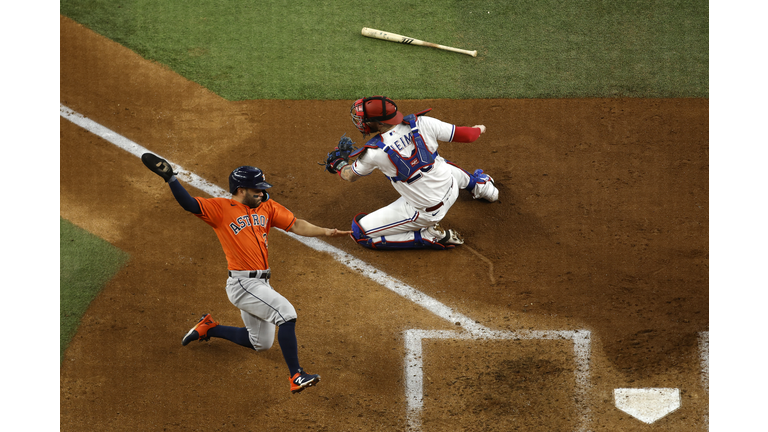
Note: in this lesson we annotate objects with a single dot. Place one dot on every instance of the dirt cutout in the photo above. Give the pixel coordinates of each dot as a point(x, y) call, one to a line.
point(602, 225)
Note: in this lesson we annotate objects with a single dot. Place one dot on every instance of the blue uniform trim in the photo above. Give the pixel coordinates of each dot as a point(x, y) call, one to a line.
point(472, 183)
point(417, 243)
point(393, 224)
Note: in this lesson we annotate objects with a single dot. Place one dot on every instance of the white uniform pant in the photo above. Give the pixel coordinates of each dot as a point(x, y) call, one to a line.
point(261, 308)
point(485, 190)
point(398, 221)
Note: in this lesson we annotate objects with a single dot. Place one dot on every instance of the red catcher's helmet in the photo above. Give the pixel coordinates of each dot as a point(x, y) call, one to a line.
point(374, 108)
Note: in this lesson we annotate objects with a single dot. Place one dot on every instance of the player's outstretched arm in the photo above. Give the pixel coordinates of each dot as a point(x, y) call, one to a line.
point(306, 229)
point(185, 200)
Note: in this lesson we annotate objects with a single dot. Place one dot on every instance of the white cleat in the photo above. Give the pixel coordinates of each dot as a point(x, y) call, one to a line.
point(445, 237)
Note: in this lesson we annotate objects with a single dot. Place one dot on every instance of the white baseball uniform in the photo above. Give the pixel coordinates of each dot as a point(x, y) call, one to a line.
point(426, 198)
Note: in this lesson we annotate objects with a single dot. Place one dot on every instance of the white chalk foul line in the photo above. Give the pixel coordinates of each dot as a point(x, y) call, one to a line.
point(137, 150)
point(350, 261)
point(413, 338)
point(704, 356)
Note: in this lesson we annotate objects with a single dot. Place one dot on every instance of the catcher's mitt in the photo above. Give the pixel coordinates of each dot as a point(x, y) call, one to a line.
point(158, 166)
point(339, 157)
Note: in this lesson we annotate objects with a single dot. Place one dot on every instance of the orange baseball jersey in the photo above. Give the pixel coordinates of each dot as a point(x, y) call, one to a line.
point(242, 231)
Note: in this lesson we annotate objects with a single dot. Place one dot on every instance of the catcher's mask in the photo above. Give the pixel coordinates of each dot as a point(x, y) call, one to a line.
point(247, 177)
point(374, 108)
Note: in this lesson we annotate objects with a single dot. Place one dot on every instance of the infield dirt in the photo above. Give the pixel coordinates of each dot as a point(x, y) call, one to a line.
point(602, 224)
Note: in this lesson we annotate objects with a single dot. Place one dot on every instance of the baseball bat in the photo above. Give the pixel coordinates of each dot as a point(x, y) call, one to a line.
point(392, 37)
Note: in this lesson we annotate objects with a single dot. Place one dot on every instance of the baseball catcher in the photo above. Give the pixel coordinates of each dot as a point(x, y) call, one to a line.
point(404, 149)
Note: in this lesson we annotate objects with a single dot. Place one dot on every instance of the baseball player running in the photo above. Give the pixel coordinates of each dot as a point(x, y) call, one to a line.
point(405, 150)
point(242, 223)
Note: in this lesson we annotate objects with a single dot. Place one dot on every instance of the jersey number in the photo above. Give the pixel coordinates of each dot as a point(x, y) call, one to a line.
point(418, 176)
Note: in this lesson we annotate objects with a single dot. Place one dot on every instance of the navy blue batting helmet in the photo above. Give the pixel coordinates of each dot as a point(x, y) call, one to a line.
point(247, 177)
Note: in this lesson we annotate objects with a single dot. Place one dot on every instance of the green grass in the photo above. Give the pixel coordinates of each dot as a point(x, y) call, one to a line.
point(559, 49)
point(87, 263)
point(268, 49)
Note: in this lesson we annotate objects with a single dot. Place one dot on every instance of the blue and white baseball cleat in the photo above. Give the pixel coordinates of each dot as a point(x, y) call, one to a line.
point(301, 380)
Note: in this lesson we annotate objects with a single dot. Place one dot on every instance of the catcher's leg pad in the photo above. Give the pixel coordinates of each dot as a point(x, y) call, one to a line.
point(358, 233)
point(382, 243)
point(418, 242)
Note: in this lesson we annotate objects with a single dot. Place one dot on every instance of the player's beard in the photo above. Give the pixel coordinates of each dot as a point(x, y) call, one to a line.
point(377, 127)
point(252, 201)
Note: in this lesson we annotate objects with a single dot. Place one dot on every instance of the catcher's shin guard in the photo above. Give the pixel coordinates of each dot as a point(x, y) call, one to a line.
point(358, 233)
point(418, 242)
point(382, 243)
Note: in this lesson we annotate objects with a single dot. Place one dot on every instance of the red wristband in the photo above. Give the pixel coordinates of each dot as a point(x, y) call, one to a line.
point(466, 134)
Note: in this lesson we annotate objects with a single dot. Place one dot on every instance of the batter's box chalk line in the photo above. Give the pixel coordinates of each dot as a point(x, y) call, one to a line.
point(413, 338)
point(414, 367)
point(704, 356)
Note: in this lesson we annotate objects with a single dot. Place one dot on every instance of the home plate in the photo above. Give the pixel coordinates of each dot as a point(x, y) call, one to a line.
point(647, 404)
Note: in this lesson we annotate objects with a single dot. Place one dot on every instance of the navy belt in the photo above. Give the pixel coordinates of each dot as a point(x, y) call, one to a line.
point(250, 274)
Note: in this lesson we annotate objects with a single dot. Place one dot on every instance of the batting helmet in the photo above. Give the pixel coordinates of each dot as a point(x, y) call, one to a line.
point(247, 177)
point(374, 108)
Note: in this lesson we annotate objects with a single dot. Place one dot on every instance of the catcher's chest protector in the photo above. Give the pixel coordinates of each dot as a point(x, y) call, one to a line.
point(407, 168)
